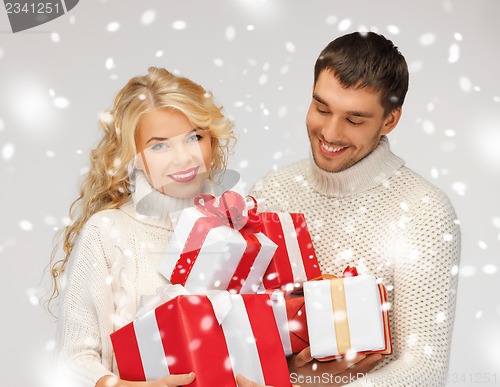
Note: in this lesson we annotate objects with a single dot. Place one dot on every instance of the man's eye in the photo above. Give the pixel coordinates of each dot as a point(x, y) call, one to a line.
point(321, 111)
point(354, 122)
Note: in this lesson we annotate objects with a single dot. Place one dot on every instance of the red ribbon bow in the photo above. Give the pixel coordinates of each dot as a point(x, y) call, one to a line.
point(350, 271)
point(231, 206)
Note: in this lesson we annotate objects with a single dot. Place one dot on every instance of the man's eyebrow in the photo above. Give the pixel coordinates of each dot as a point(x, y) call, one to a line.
point(360, 114)
point(355, 113)
point(319, 99)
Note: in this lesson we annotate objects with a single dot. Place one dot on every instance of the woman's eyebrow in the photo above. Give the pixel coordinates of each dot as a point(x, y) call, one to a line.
point(156, 139)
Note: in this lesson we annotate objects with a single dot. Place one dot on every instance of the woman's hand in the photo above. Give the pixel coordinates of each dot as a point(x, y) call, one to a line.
point(167, 381)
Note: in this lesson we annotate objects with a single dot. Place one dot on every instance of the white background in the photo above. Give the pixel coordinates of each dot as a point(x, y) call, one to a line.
point(257, 57)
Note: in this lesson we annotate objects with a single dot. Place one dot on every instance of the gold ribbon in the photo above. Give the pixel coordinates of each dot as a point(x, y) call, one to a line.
point(340, 321)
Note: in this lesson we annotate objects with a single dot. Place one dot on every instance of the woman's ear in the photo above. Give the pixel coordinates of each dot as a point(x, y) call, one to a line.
point(140, 161)
point(391, 121)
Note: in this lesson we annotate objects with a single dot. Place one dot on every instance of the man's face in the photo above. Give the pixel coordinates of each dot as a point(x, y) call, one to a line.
point(173, 153)
point(345, 124)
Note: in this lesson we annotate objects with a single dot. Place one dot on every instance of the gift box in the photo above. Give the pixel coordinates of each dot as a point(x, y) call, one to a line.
point(217, 337)
point(347, 314)
point(214, 246)
point(294, 261)
point(290, 314)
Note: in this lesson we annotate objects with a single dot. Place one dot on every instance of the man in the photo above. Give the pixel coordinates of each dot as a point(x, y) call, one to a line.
point(364, 208)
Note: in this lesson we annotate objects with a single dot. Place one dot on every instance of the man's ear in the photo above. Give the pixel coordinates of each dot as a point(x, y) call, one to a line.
point(391, 121)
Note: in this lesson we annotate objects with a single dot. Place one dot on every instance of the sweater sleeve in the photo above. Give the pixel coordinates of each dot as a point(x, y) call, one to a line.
point(85, 317)
point(425, 284)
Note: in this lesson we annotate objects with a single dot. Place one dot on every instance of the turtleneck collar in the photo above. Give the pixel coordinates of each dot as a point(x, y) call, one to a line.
point(150, 206)
point(366, 174)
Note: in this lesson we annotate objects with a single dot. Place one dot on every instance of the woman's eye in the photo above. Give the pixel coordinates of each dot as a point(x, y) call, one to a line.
point(194, 137)
point(159, 146)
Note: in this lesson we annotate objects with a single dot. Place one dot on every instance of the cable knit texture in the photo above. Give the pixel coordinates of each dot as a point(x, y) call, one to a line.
point(386, 220)
point(112, 265)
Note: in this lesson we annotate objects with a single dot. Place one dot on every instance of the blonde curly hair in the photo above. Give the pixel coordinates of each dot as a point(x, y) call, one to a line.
point(107, 184)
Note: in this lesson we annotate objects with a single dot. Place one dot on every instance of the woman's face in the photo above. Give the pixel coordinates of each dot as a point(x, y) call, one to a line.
point(174, 154)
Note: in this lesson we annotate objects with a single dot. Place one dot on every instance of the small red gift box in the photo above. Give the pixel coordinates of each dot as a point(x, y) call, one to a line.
point(290, 314)
point(294, 261)
point(215, 339)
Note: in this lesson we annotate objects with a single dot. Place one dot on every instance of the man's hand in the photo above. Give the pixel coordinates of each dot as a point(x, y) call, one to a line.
point(305, 367)
point(244, 382)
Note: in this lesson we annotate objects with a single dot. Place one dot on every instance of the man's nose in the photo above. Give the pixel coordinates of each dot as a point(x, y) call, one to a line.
point(333, 129)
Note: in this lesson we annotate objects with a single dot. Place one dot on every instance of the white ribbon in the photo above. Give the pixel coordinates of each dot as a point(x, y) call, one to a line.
point(293, 248)
point(220, 299)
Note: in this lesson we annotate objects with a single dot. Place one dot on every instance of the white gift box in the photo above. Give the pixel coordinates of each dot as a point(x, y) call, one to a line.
point(345, 314)
point(219, 257)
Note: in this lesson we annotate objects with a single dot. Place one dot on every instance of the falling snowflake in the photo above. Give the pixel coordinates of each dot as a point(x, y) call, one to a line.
point(61, 102)
point(8, 151)
point(179, 25)
point(465, 84)
point(26, 225)
point(459, 187)
point(489, 269)
point(113, 27)
point(453, 53)
point(331, 19)
point(230, 33)
point(110, 64)
point(148, 17)
point(467, 271)
point(218, 62)
point(243, 164)
point(290, 47)
point(54, 36)
point(344, 24)
point(393, 29)
point(427, 39)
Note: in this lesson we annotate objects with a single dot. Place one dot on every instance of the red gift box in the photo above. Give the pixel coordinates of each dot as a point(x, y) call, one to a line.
point(184, 335)
point(294, 260)
point(216, 246)
point(290, 314)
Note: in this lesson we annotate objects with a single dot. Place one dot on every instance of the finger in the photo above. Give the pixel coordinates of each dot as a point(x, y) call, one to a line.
point(241, 381)
point(179, 380)
point(303, 357)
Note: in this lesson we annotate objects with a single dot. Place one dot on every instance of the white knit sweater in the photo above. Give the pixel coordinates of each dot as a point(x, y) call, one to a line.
point(112, 265)
point(386, 220)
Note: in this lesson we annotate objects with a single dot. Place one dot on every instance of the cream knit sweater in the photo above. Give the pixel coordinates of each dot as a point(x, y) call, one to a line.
point(112, 265)
point(386, 220)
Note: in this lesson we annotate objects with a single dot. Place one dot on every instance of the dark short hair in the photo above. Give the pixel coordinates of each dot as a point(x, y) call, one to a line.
point(370, 60)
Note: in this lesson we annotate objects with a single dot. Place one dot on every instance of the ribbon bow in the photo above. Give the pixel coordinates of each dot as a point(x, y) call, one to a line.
point(231, 206)
point(227, 212)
